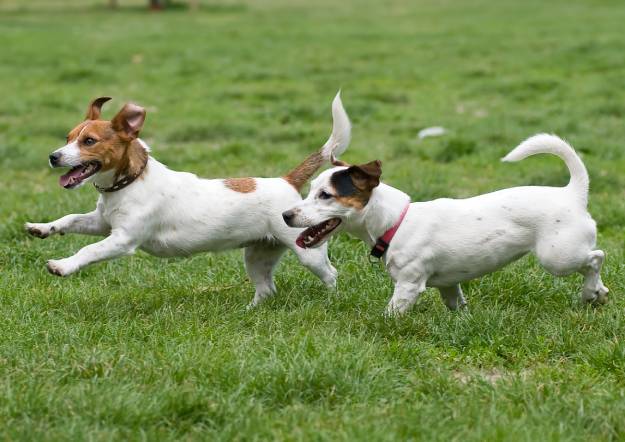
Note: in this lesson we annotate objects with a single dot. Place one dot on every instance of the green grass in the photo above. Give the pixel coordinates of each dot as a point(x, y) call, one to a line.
point(145, 348)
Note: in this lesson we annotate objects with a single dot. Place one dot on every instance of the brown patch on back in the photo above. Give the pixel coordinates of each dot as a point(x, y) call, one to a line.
point(306, 169)
point(241, 185)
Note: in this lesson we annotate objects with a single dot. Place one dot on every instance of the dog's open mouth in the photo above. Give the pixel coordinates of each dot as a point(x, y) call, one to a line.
point(78, 174)
point(317, 233)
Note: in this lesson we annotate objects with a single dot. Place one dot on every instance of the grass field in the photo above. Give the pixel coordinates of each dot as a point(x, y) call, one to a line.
point(146, 348)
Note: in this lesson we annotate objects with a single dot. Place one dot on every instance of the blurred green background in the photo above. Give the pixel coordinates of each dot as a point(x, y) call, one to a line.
point(144, 348)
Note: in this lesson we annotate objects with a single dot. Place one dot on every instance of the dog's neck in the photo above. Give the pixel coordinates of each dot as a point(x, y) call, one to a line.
point(135, 157)
point(379, 215)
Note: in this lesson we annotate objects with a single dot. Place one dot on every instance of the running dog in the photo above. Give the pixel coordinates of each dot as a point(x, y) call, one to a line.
point(144, 205)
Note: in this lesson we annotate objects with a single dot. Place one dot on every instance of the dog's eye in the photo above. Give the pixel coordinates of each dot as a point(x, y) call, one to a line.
point(323, 195)
point(89, 141)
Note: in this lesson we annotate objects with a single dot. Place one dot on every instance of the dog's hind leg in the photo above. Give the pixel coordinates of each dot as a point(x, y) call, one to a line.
point(594, 291)
point(564, 254)
point(453, 297)
point(260, 261)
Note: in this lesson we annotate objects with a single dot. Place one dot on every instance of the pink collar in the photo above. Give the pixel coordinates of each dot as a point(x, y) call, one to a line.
point(383, 242)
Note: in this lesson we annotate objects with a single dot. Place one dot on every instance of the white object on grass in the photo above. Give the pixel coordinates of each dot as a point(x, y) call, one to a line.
point(434, 131)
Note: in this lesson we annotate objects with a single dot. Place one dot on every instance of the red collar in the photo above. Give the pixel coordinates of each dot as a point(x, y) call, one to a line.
point(383, 241)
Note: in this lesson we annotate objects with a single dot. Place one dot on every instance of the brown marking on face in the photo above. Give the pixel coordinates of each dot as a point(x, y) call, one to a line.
point(354, 185)
point(306, 169)
point(241, 185)
point(357, 201)
point(73, 134)
point(116, 146)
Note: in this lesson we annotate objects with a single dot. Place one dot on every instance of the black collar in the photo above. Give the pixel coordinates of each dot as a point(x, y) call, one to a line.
point(126, 181)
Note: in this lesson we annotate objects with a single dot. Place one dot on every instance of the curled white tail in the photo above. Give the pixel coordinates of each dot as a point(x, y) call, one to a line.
point(341, 131)
point(545, 143)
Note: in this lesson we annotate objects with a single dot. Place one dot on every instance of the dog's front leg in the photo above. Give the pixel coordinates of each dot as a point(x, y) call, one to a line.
point(90, 223)
point(404, 296)
point(119, 243)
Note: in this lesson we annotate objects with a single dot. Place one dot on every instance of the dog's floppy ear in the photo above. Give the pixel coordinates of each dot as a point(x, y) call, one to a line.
point(95, 108)
point(336, 162)
point(129, 121)
point(366, 176)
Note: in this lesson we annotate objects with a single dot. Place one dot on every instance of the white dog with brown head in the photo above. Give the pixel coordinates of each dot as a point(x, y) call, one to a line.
point(144, 205)
point(444, 242)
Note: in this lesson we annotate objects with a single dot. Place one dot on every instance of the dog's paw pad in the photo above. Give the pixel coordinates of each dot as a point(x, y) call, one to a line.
point(36, 231)
point(602, 299)
point(54, 268)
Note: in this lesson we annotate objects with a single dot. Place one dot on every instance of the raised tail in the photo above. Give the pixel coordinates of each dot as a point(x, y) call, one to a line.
point(335, 146)
point(545, 143)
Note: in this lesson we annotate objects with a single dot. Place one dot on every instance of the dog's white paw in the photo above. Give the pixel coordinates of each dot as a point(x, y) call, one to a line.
point(258, 300)
point(60, 267)
point(601, 296)
point(330, 279)
point(332, 284)
point(393, 311)
point(598, 296)
point(40, 230)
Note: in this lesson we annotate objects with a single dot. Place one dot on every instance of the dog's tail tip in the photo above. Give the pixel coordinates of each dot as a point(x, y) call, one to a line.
point(508, 158)
point(341, 130)
point(539, 143)
point(337, 98)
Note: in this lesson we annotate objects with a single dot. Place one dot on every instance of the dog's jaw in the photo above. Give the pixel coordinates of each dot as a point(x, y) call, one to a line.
point(80, 174)
point(318, 234)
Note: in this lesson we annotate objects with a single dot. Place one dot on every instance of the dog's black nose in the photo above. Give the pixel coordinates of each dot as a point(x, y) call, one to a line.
point(54, 158)
point(288, 217)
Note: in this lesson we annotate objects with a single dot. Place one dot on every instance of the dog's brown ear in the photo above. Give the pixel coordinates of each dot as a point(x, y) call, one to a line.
point(129, 121)
point(95, 108)
point(366, 176)
point(336, 162)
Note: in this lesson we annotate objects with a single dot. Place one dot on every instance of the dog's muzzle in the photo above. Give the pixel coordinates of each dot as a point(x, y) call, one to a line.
point(288, 217)
point(54, 158)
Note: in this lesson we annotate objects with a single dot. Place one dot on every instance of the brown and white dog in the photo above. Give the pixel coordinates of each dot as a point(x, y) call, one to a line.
point(144, 205)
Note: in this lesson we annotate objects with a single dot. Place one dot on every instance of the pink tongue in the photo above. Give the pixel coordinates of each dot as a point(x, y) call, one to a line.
point(300, 242)
point(65, 180)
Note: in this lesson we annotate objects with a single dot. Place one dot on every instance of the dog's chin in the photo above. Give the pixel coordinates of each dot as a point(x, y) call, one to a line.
point(79, 175)
point(318, 234)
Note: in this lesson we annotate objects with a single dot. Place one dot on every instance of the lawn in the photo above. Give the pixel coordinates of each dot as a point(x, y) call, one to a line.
point(147, 348)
